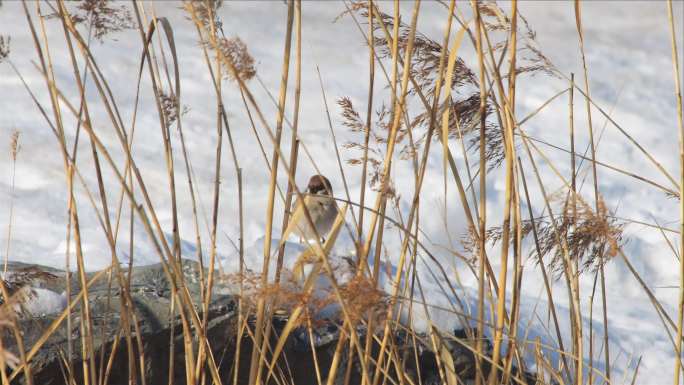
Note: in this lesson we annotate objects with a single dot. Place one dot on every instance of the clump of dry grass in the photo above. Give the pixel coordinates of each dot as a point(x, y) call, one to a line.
point(235, 50)
point(285, 295)
point(425, 59)
point(374, 150)
point(169, 104)
point(14, 145)
point(363, 298)
point(205, 12)
point(424, 71)
point(4, 47)
point(591, 237)
point(231, 52)
point(530, 59)
point(102, 17)
point(464, 116)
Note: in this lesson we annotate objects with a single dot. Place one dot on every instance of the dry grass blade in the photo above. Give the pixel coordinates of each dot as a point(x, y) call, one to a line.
point(447, 97)
point(680, 121)
point(606, 347)
point(4, 47)
point(14, 151)
point(256, 362)
point(447, 360)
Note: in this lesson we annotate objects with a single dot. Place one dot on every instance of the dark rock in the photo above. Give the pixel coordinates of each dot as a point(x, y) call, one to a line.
point(151, 297)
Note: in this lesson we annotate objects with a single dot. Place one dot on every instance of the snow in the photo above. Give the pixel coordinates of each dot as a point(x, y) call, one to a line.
point(628, 53)
point(43, 302)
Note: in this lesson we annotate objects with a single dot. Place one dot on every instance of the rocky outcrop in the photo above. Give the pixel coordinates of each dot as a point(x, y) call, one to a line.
point(151, 297)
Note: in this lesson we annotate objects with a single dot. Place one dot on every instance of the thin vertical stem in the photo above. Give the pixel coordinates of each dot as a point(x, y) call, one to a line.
point(369, 116)
point(578, 20)
point(509, 199)
point(680, 121)
point(294, 141)
point(483, 200)
point(256, 362)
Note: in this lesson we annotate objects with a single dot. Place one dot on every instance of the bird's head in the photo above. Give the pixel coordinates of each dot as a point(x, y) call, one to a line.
point(318, 184)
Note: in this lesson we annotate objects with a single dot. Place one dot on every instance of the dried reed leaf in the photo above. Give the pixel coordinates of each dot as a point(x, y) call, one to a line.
point(235, 51)
point(206, 12)
point(104, 17)
point(4, 47)
point(592, 237)
point(15, 147)
point(170, 108)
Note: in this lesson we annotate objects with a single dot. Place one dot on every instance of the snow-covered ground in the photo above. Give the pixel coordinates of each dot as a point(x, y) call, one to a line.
point(630, 69)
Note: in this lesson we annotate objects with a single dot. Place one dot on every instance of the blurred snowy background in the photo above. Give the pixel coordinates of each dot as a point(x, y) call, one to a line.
point(629, 61)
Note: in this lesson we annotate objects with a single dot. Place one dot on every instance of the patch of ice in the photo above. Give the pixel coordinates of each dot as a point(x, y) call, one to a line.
point(43, 302)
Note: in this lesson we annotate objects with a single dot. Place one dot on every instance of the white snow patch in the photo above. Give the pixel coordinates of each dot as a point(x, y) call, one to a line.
point(43, 302)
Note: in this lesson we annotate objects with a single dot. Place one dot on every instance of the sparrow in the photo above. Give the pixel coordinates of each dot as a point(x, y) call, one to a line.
point(322, 209)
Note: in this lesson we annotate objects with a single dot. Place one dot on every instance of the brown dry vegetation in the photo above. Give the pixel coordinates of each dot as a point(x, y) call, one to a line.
point(432, 98)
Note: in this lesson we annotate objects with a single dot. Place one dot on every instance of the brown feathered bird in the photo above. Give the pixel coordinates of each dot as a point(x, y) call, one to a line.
point(322, 209)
